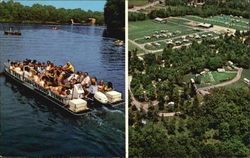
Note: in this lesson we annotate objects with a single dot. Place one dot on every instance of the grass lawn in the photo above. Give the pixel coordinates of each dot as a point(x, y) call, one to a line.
point(218, 77)
point(241, 83)
point(222, 21)
point(178, 20)
point(139, 29)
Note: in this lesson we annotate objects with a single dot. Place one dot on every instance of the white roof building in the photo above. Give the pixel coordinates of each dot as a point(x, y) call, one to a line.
point(221, 70)
point(205, 25)
point(160, 20)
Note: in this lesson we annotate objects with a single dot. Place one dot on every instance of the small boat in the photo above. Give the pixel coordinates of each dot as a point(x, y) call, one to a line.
point(12, 32)
point(55, 28)
point(76, 105)
point(119, 43)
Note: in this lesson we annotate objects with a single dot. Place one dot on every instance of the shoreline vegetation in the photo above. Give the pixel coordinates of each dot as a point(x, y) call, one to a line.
point(46, 14)
point(183, 7)
point(113, 16)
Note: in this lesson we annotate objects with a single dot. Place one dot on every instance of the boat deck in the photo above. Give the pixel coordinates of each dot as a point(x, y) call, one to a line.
point(51, 96)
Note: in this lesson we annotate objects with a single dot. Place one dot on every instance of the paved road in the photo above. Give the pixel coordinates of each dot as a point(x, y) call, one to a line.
point(150, 5)
point(237, 77)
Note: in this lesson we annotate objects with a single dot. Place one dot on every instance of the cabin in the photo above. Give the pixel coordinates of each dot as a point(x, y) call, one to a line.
point(159, 20)
point(178, 42)
point(205, 25)
point(203, 72)
point(197, 37)
point(247, 81)
point(144, 122)
point(192, 80)
point(191, 36)
point(230, 63)
point(209, 35)
point(169, 42)
point(171, 103)
point(170, 114)
point(147, 37)
point(221, 70)
point(157, 44)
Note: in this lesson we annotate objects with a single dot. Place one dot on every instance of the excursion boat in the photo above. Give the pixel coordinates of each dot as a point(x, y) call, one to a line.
point(119, 43)
point(12, 32)
point(76, 105)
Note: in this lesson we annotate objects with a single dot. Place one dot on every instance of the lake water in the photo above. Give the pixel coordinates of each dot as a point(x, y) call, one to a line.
point(31, 126)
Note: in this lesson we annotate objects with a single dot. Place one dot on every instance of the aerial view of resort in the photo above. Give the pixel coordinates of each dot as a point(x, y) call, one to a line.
point(62, 78)
point(189, 78)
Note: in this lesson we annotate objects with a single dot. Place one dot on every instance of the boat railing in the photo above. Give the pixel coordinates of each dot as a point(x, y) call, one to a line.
point(37, 86)
point(47, 91)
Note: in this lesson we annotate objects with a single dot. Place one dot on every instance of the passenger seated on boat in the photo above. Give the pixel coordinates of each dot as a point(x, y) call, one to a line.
point(61, 78)
point(56, 74)
point(109, 87)
point(57, 90)
point(76, 77)
point(70, 77)
point(101, 86)
point(69, 67)
point(63, 92)
point(37, 77)
point(17, 68)
point(12, 65)
point(65, 78)
point(41, 69)
point(33, 72)
point(42, 81)
point(86, 80)
point(93, 88)
point(79, 77)
point(68, 94)
point(49, 66)
point(27, 72)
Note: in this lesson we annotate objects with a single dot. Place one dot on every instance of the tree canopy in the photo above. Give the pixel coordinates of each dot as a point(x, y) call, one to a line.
point(15, 12)
point(218, 127)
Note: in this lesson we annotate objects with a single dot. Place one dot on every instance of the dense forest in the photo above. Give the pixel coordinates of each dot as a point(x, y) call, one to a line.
point(210, 54)
point(217, 127)
point(114, 14)
point(15, 12)
point(210, 8)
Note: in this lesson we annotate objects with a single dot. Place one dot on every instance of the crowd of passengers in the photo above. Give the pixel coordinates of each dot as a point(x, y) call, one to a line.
point(59, 79)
